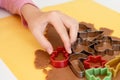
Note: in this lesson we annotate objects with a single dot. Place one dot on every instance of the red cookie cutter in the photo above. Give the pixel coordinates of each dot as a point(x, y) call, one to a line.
point(59, 63)
point(94, 62)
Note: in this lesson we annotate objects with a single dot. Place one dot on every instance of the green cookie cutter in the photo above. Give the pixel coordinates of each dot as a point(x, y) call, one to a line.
point(93, 72)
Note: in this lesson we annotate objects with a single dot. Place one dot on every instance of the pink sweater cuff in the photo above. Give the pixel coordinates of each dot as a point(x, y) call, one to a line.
point(22, 17)
point(14, 6)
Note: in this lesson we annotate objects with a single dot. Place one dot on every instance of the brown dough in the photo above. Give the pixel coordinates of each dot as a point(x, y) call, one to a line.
point(53, 37)
point(80, 48)
point(102, 76)
point(89, 25)
point(62, 74)
point(106, 31)
point(60, 57)
point(117, 77)
point(42, 59)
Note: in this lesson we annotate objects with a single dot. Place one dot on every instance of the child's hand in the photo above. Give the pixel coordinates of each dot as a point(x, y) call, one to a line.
point(37, 22)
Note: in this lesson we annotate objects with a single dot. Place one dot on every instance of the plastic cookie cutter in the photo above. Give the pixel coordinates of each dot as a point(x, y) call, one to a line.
point(76, 65)
point(114, 65)
point(59, 63)
point(82, 46)
point(104, 47)
point(94, 62)
point(98, 74)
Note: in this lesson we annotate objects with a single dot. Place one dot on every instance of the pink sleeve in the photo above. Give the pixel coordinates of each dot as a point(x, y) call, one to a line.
point(14, 6)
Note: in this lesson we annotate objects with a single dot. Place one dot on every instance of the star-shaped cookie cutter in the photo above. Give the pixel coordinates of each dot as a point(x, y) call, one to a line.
point(94, 62)
point(93, 72)
point(76, 65)
point(82, 46)
point(114, 65)
point(59, 63)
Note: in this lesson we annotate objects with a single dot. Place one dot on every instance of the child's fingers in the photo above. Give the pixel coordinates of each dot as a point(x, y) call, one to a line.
point(72, 25)
point(73, 33)
point(60, 28)
point(43, 41)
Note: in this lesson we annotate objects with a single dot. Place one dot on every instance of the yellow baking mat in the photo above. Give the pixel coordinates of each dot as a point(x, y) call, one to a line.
point(17, 44)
